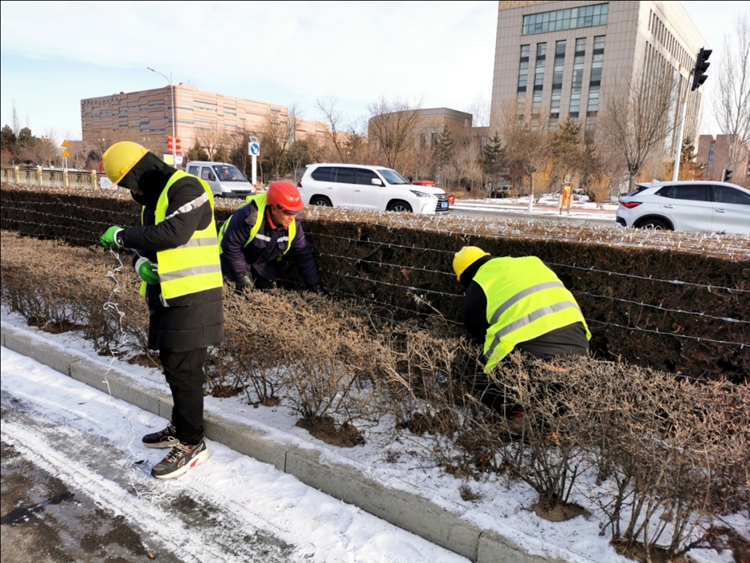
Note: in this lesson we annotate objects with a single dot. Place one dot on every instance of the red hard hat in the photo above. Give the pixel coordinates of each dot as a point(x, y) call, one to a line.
point(284, 196)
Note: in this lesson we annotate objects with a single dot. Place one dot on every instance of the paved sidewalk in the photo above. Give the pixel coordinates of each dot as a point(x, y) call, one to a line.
point(323, 470)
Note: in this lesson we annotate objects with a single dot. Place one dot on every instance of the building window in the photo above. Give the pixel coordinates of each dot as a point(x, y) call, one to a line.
point(572, 18)
point(523, 71)
point(596, 76)
point(541, 59)
point(577, 84)
point(557, 79)
point(711, 151)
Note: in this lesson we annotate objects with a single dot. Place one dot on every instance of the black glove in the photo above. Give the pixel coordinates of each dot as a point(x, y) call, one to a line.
point(243, 284)
point(318, 288)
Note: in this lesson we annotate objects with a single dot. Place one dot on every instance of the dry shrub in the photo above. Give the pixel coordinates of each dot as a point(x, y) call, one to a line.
point(322, 353)
point(57, 286)
point(254, 340)
point(671, 454)
point(547, 453)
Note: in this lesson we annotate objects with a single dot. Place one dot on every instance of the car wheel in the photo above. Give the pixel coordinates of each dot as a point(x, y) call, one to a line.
point(321, 201)
point(399, 206)
point(654, 224)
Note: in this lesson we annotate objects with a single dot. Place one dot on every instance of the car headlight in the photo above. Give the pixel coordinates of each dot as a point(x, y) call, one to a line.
point(420, 194)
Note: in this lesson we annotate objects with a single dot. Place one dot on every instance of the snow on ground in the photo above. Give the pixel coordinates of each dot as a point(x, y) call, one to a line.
point(503, 506)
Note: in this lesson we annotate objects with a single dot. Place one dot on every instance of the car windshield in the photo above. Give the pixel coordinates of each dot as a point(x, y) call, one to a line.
point(229, 173)
point(393, 177)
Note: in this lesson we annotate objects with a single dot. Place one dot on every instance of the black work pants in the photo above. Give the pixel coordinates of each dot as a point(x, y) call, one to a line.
point(184, 373)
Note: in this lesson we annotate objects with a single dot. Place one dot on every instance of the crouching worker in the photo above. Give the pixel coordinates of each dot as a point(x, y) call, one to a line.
point(516, 303)
point(176, 254)
point(260, 233)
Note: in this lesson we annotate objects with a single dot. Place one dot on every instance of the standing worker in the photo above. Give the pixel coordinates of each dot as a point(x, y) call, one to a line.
point(177, 257)
point(260, 233)
point(518, 303)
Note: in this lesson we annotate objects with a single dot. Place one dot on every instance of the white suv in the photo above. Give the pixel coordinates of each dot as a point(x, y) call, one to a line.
point(368, 187)
point(687, 206)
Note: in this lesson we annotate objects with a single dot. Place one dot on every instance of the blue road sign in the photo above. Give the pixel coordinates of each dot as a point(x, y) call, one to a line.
point(255, 149)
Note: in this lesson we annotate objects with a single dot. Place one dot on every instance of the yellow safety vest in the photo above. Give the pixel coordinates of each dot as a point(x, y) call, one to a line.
point(260, 202)
point(525, 299)
point(194, 266)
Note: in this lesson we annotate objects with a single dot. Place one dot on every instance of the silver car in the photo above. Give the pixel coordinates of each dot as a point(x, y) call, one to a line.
point(687, 206)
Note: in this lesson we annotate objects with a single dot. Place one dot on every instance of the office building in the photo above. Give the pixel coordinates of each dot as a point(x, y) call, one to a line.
point(147, 116)
point(563, 57)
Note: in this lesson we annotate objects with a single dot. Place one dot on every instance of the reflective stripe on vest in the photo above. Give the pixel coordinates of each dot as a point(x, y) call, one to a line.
point(193, 266)
point(260, 202)
point(525, 300)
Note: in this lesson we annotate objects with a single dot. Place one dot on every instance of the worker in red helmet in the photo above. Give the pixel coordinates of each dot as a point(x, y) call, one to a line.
point(260, 233)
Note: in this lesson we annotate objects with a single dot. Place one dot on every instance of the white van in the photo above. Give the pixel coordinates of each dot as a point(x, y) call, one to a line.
point(225, 180)
point(368, 187)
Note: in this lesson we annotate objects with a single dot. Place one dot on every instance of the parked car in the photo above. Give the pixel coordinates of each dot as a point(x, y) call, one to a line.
point(368, 187)
point(686, 206)
point(225, 179)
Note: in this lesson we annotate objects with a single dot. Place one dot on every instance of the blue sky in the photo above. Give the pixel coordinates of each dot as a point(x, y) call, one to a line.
point(441, 54)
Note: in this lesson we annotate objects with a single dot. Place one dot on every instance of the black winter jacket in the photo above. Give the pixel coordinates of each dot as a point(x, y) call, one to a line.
point(192, 321)
point(263, 251)
point(569, 339)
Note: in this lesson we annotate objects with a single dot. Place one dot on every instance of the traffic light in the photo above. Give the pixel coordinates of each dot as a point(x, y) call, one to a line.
point(701, 66)
point(726, 175)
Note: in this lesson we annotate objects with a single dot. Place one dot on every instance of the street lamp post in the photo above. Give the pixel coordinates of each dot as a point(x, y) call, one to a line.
point(174, 135)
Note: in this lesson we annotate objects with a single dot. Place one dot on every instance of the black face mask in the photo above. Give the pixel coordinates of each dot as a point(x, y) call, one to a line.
point(150, 175)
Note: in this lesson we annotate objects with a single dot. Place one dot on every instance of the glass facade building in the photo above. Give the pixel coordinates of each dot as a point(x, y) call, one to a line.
point(573, 52)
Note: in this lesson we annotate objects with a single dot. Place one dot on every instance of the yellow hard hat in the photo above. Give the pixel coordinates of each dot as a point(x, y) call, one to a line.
point(120, 158)
point(465, 258)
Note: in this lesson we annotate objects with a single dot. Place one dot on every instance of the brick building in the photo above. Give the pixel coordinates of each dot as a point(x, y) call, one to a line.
point(146, 116)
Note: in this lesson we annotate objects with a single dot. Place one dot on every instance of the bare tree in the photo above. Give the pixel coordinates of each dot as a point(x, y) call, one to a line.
point(328, 106)
point(211, 138)
point(391, 128)
point(464, 165)
point(731, 104)
point(294, 115)
point(480, 109)
point(635, 119)
point(527, 139)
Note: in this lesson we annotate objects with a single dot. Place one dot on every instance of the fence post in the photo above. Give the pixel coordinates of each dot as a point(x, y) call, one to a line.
point(17, 174)
point(39, 176)
point(94, 183)
point(66, 182)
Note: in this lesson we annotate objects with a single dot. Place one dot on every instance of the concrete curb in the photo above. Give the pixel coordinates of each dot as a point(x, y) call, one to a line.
point(339, 478)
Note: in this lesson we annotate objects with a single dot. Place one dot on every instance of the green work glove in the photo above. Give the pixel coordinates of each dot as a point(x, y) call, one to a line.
point(110, 238)
point(147, 270)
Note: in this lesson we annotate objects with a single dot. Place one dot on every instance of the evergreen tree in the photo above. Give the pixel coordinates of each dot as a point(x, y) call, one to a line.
point(444, 146)
point(196, 152)
point(493, 158)
point(7, 139)
point(565, 149)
